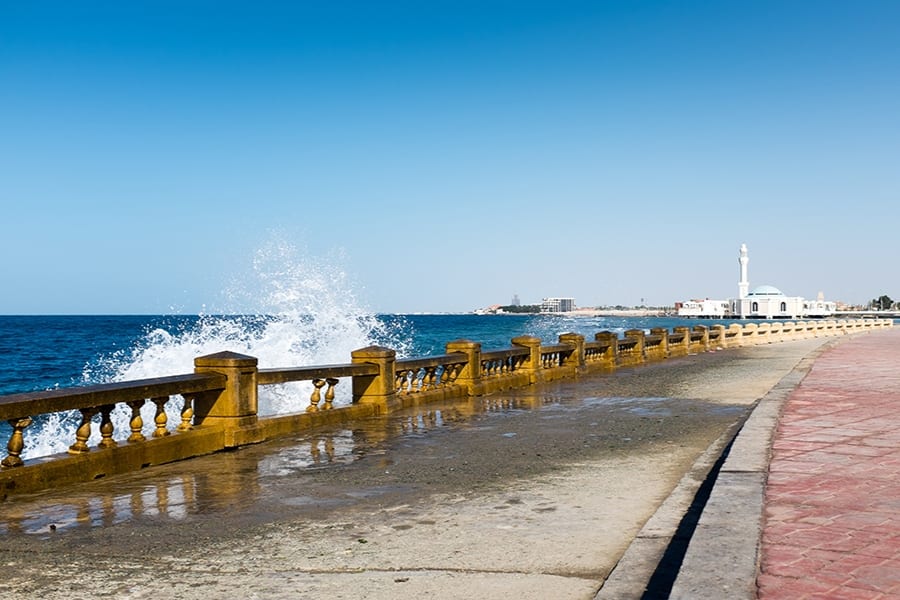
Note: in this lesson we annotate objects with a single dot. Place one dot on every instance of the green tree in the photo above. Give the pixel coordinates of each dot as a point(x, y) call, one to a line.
point(883, 302)
point(524, 308)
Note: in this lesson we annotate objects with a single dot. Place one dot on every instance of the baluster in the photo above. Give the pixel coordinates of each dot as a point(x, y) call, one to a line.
point(83, 433)
point(187, 414)
point(161, 418)
point(423, 382)
point(404, 382)
point(415, 382)
point(137, 423)
point(316, 395)
point(430, 378)
point(329, 393)
point(106, 428)
point(16, 442)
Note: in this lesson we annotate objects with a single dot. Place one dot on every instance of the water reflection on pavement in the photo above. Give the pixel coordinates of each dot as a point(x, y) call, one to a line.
point(333, 468)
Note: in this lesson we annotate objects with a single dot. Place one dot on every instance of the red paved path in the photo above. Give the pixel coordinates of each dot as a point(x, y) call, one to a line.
point(832, 512)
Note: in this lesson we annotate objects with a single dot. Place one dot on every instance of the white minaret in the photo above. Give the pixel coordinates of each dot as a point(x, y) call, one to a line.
point(743, 284)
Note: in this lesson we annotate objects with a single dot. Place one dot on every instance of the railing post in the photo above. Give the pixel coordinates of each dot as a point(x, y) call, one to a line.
point(682, 348)
point(379, 390)
point(576, 359)
point(776, 331)
point(610, 356)
point(637, 354)
point(533, 366)
point(663, 350)
point(237, 405)
point(720, 336)
point(470, 376)
point(704, 341)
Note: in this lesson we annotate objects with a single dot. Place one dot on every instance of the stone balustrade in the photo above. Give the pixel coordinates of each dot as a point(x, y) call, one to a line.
point(219, 401)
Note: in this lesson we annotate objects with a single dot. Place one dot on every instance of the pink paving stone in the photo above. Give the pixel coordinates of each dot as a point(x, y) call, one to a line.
point(886, 549)
point(880, 520)
point(881, 577)
point(859, 450)
point(846, 541)
point(833, 492)
point(784, 554)
point(850, 562)
point(848, 593)
point(777, 588)
point(799, 568)
point(807, 538)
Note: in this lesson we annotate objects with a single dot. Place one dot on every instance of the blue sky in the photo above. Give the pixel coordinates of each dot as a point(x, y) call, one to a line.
point(452, 153)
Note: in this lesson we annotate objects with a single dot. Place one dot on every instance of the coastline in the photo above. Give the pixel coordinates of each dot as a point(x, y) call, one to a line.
point(626, 312)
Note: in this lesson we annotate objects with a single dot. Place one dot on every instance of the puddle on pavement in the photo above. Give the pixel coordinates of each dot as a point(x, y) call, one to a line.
point(271, 474)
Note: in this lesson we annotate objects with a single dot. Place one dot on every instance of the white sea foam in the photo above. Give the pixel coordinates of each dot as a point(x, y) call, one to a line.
point(288, 310)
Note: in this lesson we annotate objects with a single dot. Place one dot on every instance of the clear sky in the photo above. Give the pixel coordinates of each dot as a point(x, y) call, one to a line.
point(453, 153)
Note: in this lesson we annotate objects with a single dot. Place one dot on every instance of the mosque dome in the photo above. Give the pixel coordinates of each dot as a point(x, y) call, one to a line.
point(766, 290)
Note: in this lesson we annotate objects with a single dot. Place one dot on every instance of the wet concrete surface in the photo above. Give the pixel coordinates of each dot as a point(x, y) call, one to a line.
point(311, 504)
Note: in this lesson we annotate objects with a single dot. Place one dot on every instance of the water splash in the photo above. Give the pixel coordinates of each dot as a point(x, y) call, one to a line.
point(289, 310)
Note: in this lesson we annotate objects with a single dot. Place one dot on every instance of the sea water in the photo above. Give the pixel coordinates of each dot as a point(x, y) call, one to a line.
point(305, 313)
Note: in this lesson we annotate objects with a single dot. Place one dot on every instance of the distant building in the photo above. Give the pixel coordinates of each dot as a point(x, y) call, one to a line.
point(557, 305)
point(819, 307)
point(515, 301)
point(762, 302)
point(704, 309)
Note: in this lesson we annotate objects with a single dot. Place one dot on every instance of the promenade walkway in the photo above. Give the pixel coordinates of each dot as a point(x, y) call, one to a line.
point(573, 490)
point(806, 505)
point(832, 526)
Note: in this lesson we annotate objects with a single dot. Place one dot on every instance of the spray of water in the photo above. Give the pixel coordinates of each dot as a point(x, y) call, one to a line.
point(288, 310)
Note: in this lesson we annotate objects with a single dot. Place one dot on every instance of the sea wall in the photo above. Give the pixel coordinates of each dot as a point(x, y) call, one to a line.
point(219, 400)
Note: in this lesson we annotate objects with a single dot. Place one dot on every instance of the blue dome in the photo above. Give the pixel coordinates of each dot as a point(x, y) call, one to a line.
point(765, 290)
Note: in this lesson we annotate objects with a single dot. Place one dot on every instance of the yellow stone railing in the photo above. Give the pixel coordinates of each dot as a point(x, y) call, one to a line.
point(219, 401)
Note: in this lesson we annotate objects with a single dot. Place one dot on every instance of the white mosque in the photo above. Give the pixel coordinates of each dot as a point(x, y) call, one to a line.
point(762, 302)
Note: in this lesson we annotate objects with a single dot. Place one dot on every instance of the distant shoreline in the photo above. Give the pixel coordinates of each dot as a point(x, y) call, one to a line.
point(592, 312)
point(626, 312)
